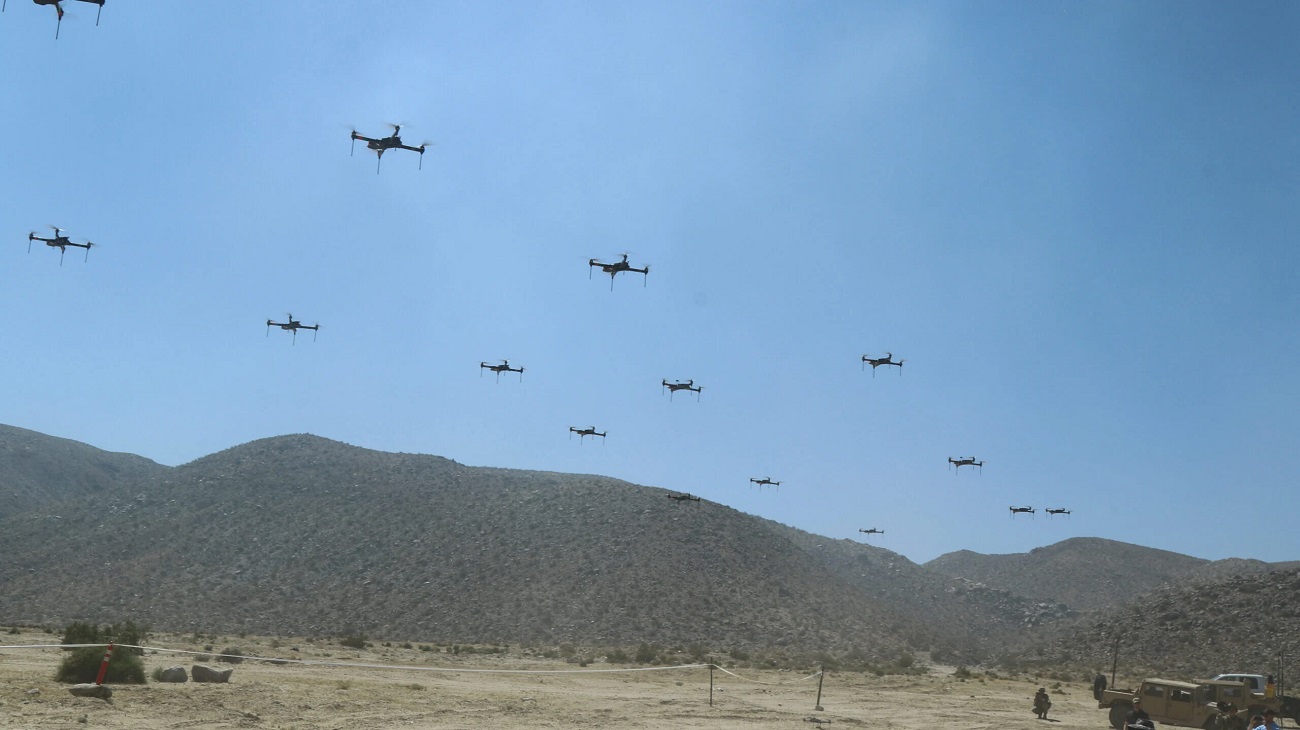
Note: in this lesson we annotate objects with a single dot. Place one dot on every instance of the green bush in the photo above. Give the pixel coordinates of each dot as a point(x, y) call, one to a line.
point(645, 654)
point(356, 641)
point(82, 665)
point(126, 632)
point(617, 656)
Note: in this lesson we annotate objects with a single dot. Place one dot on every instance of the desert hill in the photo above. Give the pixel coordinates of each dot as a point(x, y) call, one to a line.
point(1088, 573)
point(302, 535)
point(37, 470)
point(1205, 627)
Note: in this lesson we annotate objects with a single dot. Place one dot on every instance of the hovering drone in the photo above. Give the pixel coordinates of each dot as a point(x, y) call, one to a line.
point(583, 433)
point(872, 531)
point(504, 367)
point(876, 362)
point(59, 9)
point(689, 386)
point(1057, 511)
point(961, 461)
point(764, 482)
point(391, 142)
point(60, 242)
point(617, 267)
point(683, 498)
point(293, 326)
point(1021, 510)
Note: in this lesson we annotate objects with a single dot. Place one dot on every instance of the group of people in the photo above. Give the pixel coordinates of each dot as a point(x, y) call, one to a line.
point(1230, 718)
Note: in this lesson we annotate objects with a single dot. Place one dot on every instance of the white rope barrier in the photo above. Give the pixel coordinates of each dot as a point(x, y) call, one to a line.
point(759, 681)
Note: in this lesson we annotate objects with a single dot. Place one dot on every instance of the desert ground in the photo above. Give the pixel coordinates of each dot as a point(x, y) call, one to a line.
point(305, 696)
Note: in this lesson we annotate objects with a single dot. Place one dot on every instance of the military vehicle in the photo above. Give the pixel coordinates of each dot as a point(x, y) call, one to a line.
point(1188, 704)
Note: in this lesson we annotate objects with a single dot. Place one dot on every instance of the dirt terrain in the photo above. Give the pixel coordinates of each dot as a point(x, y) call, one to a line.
point(298, 696)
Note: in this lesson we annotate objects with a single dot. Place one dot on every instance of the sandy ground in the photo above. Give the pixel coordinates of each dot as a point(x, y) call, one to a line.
point(262, 695)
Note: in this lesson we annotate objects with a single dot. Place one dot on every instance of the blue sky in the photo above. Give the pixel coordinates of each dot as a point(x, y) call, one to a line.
point(1075, 221)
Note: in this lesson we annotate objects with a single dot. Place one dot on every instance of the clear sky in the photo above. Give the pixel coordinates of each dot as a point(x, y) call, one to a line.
point(1077, 222)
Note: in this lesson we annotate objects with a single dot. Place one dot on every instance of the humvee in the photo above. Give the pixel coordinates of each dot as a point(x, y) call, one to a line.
point(1189, 704)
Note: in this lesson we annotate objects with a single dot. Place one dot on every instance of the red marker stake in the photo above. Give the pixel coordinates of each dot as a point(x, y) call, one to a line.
point(103, 667)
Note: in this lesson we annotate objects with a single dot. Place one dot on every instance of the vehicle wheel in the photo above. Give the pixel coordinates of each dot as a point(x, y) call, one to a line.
point(1117, 713)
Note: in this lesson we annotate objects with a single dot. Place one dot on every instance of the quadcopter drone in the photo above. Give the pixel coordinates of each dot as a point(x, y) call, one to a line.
point(293, 326)
point(876, 362)
point(1057, 511)
point(504, 367)
point(688, 386)
point(872, 531)
point(383, 144)
point(764, 482)
point(617, 267)
point(1021, 510)
point(60, 242)
point(683, 498)
point(961, 461)
point(583, 433)
point(59, 10)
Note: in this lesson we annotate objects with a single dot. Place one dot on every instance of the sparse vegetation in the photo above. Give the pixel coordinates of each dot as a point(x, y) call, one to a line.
point(355, 641)
point(231, 655)
point(82, 666)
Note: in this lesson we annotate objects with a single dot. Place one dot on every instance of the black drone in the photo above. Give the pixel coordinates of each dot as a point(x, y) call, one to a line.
point(504, 367)
point(688, 386)
point(60, 242)
point(58, 8)
point(1021, 510)
point(961, 461)
point(683, 498)
point(1051, 511)
point(872, 531)
point(583, 433)
point(876, 362)
point(293, 326)
point(765, 482)
point(383, 144)
point(617, 267)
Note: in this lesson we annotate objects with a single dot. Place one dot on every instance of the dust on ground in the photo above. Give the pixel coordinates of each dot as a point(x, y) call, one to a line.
point(312, 697)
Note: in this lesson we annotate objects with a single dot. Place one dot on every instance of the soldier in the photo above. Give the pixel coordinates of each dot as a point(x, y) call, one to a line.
point(1098, 685)
point(1232, 720)
point(1137, 714)
point(1042, 703)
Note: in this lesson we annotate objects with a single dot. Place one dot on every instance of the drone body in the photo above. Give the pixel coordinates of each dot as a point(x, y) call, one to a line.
point(1022, 510)
point(961, 461)
point(618, 267)
point(380, 145)
point(58, 9)
point(765, 482)
point(688, 386)
point(1060, 511)
point(871, 531)
point(60, 242)
point(683, 498)
point(876, 362)
point(504, 367)
point(583, 433)
point(293, 326)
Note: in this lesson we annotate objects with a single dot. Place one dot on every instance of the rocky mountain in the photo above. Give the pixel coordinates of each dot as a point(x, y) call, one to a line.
point(1205, 627)
point(37, 470)
point(302, 535)
point(1085, 573)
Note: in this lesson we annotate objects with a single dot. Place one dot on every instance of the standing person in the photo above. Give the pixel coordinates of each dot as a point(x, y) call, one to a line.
point(1137, 714)
point(1270, 720)
point(1232, 720)
point(1098, 686)
point(1042, 703)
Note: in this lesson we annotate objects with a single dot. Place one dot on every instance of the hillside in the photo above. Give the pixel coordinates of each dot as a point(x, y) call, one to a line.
point(1085, 573)
point(1237, 624)
point(301, 535)
point(38, 470)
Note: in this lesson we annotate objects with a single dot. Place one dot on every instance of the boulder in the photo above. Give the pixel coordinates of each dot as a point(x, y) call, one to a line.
point(200, 673)
point(173, 674)
point(91, 690)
